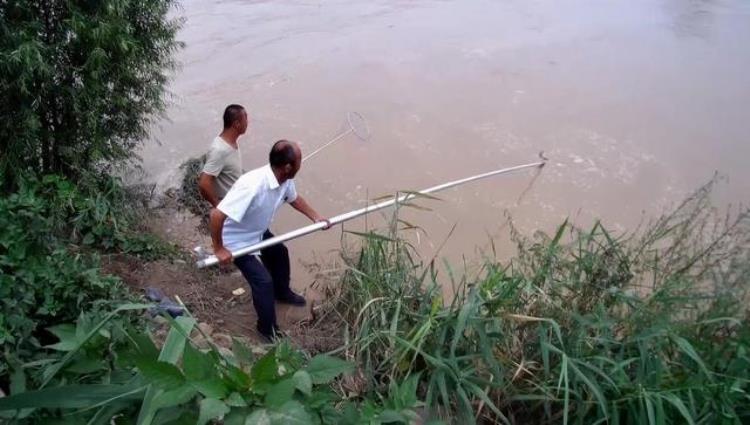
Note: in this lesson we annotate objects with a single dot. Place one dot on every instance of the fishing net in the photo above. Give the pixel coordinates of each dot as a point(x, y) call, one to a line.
point(355, 124)
point(358, 125)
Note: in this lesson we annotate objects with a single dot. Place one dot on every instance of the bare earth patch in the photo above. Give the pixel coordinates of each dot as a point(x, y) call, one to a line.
point(208, 294)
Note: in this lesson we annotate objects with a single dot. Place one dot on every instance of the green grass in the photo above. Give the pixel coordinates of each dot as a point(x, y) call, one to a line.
point(583, 326)
point(580, 327)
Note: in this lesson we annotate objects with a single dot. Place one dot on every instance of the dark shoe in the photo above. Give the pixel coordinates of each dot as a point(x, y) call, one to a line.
point(275, 335)
point(293, 299)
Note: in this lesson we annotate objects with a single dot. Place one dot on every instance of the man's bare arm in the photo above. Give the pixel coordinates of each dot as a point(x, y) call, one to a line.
point(208, 189)
point(302, 206)
point(216, 225)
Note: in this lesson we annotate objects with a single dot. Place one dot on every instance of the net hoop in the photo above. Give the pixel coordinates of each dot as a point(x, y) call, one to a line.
point(358, 125)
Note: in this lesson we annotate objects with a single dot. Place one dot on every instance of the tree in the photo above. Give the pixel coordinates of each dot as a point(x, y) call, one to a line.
point(80, 81)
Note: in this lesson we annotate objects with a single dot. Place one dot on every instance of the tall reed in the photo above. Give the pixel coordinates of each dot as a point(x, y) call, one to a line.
point(582, 326)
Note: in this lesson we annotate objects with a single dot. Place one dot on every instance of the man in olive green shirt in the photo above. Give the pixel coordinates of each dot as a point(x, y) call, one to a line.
point(223, 163)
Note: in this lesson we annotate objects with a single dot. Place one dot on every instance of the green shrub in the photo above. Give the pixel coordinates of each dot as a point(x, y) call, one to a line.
point(81, 82)
point(49, 270)
point(580, 327)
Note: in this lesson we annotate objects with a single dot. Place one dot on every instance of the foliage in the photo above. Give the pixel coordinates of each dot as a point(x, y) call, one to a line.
point(182, 384)
point(189, 195)
point(644, 328)
point(582, 326)
point(49, 273)
point(81, 82)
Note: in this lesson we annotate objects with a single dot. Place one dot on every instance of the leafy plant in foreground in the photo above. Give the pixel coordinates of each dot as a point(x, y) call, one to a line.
point(49, 270)
point(182, 384)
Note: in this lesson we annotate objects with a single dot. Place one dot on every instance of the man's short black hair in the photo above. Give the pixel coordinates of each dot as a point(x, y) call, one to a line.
point(232, 113)
point(282, 153)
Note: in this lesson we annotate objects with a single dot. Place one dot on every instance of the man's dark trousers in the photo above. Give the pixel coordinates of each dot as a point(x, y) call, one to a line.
point(269, 281)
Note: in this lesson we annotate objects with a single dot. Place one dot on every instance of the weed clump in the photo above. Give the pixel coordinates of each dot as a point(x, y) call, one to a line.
point(582, 326)
point(188, 194)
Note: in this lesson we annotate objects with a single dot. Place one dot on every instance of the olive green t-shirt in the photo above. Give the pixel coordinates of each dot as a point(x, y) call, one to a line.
point(223, 162)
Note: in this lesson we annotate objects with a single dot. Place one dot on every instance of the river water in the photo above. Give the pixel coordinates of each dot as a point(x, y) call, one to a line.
point(635, 102)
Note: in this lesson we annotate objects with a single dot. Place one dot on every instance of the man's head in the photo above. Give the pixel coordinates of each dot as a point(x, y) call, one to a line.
point(235, 118)
point(285, 159)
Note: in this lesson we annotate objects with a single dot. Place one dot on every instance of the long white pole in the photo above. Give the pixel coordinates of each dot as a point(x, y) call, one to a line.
point(330, 142)
point(302, 231)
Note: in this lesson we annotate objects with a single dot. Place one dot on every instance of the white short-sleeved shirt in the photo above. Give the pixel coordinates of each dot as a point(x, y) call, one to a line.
point(250, 206)
point(223, 162)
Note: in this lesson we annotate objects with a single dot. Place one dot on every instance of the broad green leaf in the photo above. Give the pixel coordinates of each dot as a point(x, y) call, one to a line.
point(63, 346)
point(84, 325)
point(407, 391)
point(235, 400)
point(161, 374)
point(324, 368)
point(237, 416)
point(211, 408)
point(350, 414)
point(302, 381)
point(54, 369)
point(243, 355)
point(196, 365)
point(211, 388)
point(279, 393)
point(144, 344)
point(65, 332)
point(291, 413)
point(258, 417)
point(237, 377)
point(322, 396)
point(174, 397)
point(265, 370)
point(174, 345)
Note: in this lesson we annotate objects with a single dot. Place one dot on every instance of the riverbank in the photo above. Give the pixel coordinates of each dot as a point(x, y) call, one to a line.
point(217, 296)
point(581, 325)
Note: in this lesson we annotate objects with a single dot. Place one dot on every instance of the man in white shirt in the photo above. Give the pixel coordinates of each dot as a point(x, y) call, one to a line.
point(242, 218)
point(223, 164)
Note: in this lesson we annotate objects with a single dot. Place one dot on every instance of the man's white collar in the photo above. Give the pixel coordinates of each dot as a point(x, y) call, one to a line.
point(271, 177)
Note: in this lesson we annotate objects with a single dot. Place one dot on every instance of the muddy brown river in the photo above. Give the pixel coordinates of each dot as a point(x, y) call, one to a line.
point(635, 102)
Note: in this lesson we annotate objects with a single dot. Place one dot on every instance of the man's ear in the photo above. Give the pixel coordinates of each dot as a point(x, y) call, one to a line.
point(288, 169)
